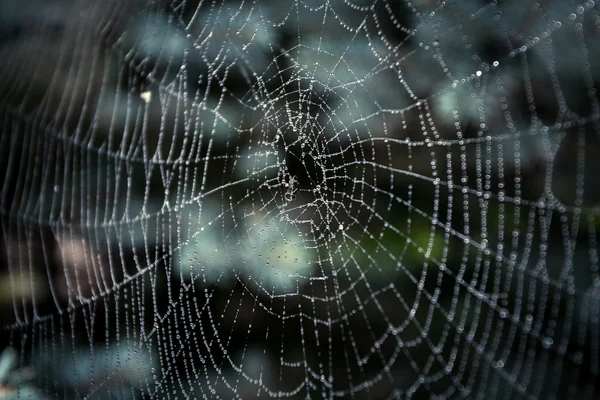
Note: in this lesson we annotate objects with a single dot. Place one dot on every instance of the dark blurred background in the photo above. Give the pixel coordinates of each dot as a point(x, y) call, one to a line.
point(303, 199)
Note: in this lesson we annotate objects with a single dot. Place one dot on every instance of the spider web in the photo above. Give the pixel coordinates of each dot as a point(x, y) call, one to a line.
point(301, 199)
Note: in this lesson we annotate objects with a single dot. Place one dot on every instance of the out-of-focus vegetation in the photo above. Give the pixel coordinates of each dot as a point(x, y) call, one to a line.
point(244, 199)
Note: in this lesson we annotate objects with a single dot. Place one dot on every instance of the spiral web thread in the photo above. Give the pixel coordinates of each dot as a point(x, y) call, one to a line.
point(368, 199)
